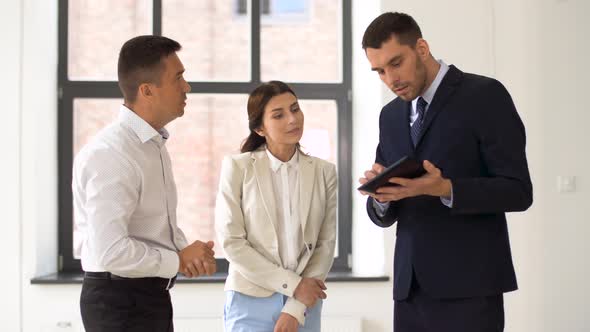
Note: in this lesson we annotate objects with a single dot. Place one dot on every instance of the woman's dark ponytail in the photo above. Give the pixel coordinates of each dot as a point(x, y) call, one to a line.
point(252, 142)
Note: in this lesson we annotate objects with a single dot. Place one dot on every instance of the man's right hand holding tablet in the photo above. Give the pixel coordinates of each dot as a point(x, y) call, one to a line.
point(432, 183)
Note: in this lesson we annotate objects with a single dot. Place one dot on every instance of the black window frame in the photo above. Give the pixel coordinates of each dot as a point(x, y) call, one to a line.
point(341, 92)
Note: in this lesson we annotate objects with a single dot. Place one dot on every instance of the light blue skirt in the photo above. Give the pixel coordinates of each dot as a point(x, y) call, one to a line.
point(244, 313)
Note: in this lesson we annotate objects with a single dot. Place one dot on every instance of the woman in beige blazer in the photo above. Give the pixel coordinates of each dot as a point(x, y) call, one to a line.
point(275, 218)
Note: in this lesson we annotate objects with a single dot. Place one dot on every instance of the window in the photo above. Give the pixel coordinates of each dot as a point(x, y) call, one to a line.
point(275, 7)
point(225, 58)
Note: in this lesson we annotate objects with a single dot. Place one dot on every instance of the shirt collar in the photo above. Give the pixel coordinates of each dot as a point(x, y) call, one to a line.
point(428, 95)
point(275, 163)
point(141, 128)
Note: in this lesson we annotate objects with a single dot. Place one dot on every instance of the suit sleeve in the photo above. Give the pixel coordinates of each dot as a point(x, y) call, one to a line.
point(231, 232)
point(390, 216)
point(507, 185)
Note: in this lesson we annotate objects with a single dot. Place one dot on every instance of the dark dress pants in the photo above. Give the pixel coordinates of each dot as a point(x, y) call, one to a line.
point(117, 305)
point(421, 313)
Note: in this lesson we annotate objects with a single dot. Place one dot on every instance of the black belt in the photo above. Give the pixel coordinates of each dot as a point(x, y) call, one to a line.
point(165, 283)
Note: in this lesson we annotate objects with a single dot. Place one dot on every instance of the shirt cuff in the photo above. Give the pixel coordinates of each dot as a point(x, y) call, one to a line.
point(380, 208)
point(181, 242)
point(169, 262)
point(295, 309)
point(290, 281)
point(448, 201)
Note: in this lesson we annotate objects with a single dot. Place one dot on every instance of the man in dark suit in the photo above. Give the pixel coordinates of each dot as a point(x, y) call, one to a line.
point(452, 259)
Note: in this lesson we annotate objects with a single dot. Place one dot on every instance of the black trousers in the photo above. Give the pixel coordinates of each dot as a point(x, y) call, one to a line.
point(117, 305)
point(421, 313)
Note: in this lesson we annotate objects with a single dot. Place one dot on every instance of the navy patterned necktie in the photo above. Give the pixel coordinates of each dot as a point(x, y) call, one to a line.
point(417, 126)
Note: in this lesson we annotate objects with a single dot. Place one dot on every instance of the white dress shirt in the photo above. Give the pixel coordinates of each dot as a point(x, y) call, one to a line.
point(285, 180)
point(125, 201)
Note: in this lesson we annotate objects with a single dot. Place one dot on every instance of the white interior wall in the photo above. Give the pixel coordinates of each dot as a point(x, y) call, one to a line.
point(43, 307)
point(537, 48)
point(555, 260)
point(10, 167)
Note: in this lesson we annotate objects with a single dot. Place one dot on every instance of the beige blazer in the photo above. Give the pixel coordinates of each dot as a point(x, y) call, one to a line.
point(246, 226)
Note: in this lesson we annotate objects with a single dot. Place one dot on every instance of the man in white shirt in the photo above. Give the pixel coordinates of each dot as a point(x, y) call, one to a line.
point(125, 199)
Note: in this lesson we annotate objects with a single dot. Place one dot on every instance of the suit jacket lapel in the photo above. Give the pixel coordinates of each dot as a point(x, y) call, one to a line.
point(265, 187)
point(399, 124)
point(306, 181)
point(446, 89)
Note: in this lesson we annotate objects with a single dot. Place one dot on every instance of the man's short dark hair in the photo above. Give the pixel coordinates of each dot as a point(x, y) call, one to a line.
point(140, 62)
point(387, 25)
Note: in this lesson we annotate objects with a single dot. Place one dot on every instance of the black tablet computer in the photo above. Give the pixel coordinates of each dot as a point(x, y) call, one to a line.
point(405, 167)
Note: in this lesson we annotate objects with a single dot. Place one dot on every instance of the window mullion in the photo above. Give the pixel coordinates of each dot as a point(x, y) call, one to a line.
point(157, 17)
point(255, 42)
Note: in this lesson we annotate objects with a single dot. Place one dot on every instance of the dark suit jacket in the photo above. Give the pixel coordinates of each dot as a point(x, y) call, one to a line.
point(473, 133)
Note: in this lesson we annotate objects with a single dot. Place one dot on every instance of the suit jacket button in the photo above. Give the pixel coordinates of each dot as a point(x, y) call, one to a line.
point(285, 286)
point(309, 246)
